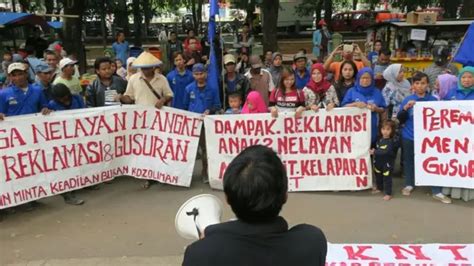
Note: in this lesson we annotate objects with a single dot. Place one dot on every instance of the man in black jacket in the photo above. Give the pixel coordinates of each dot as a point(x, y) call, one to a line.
point(255, 185)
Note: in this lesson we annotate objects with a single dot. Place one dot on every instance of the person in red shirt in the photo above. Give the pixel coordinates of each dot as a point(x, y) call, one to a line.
point(286, 97)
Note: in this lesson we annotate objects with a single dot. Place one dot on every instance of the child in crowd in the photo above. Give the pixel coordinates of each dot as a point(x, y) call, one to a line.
point(443, 85)
point(286, 97)
point(254, 104)
point(130, 69)
point(396, 89)
point(384, 158)
point(346, 79)
point(7, 60)
point(235, 103)
point(121, 71)
point(406, 118)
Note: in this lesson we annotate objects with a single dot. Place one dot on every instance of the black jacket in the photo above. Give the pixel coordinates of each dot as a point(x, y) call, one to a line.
point(240, 243)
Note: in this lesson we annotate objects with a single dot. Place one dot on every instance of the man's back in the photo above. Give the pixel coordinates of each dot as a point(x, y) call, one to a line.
point(240, 243)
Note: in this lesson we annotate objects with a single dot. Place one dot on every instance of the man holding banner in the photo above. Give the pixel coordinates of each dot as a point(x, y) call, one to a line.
point(147, 87)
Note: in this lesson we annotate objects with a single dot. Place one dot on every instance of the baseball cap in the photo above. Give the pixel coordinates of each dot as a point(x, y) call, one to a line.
point(199, 68)
point(43, 68)
point(66, 61)
point(255, 61)
point(229, 58)
point(299, 56)
point(16, 66)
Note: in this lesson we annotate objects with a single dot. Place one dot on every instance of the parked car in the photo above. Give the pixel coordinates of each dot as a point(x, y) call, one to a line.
point(355, 21)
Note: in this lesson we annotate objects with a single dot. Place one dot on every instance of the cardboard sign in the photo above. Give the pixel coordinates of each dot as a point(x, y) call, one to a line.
point(321, 151)
point(444, 144)
point(42, 156)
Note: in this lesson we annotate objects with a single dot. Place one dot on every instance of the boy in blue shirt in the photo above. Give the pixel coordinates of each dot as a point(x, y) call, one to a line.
point(121, 47)
point(405, 116)
point(178, 79)
point(200, 98)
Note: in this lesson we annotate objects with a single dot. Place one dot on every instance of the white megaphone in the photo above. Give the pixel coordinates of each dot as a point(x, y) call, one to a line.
point(196, 214)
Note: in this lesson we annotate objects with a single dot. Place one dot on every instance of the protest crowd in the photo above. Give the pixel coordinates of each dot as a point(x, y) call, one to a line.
point(42, 79)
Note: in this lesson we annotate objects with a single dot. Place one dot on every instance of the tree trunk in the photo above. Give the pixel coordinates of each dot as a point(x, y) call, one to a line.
point(199, 17)
point(319, 7)
point(73, 31)
point(193, 10)
point(13, 6)
point(121, 17)
point(269, 24)
point(49, 5)
point(103, 24)
point(468, 9)
point(148, 15)
point(354, 4)
point(328, 11)
point(137, 21)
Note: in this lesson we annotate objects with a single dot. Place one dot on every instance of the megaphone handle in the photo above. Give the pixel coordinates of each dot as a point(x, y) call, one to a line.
point(195, 213)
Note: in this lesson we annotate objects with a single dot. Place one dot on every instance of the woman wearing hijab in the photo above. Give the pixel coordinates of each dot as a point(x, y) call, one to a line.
point(463, 92)
point(254, 104)
point(443, 85)
point(276, 68)
point(318, 91)
point(130, 70)
point(364, 94)
point(396, 89)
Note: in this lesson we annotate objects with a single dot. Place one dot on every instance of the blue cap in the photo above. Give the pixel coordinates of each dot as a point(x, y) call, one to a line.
point(43, 68)
point(199, 68)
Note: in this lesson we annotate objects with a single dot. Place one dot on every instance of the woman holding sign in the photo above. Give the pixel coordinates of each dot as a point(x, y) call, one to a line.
point(364, 94)
point(463, 92)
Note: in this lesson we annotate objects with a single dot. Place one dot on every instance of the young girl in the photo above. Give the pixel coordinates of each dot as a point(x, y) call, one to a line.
point(346, 79)
point(286, 97)
point(384, 158)
point(396, 89)
point(364, 94)
point(324, 94)
point(254, 104)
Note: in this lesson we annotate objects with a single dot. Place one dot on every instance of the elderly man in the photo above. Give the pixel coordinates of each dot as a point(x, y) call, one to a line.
point(147, 87)
point(44, 74)
point(260, 79)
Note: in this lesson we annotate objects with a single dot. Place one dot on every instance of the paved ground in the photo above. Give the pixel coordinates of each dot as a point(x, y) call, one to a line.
point(121, 224)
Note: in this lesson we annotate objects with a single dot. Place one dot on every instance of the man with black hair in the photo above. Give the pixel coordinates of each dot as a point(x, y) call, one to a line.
point(383, 61)
point(107, 88)
point(121, 47)
point(256, 185)
point(440, 65)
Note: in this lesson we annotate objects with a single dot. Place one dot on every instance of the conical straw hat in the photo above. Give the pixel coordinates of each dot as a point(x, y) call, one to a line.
point(146, 59)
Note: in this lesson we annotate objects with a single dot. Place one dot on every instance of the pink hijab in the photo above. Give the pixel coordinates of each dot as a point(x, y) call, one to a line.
point(258, 104)
point(323, 85)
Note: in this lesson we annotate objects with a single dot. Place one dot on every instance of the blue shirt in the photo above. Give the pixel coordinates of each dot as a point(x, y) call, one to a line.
point(408, 131)
point(121, 51)
point(14, 101)
point(459, 95)
point(199, 100)
point(374, 98)
point(300, 82)
point(76, 103)
point(178, 85)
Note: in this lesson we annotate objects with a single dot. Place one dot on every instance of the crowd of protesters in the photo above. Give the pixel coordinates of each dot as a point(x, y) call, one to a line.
point(43, 81)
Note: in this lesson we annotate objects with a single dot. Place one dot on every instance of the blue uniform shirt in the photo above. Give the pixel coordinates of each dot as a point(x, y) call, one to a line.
point(373, 98)
point(457, 94)
point(76, 103)
point(408, 131)
point(121, 51)
point(178, 85)
point(14, 101)
point(199, 100)
point(300, 82)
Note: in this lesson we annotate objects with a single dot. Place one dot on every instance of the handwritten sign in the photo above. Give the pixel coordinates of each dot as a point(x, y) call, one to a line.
point(444, 144)
point(42, 156)
point(321, 151)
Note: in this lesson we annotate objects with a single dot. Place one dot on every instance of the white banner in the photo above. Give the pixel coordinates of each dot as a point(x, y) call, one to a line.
point(42, 156)
point(399, 255)
point(321, 151)
point(444, 144)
